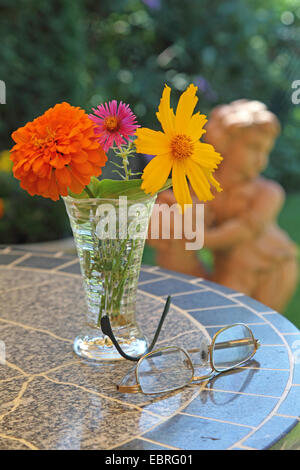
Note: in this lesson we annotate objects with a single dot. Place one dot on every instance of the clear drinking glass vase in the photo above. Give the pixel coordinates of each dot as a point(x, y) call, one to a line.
point(110, 236)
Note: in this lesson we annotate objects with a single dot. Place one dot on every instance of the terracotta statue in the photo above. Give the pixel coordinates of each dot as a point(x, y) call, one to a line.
point(251, 253)
point(171, 252)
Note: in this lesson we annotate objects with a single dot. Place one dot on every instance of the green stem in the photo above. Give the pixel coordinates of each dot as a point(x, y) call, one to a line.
point(116, 277)
point(120, 288)
point(89, 192)
point(125, 162)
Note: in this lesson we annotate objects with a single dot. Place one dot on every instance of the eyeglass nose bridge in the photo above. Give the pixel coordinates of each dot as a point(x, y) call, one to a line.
point(128, 388)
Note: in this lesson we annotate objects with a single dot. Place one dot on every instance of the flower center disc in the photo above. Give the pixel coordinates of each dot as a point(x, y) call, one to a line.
point(111, 123)
point(181, 146)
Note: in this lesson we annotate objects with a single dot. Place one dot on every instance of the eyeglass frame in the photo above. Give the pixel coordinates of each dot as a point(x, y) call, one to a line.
point(137, 387)
point(107, 330)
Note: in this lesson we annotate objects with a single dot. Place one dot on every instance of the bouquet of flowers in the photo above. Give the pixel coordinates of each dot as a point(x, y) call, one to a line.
point(62, 153)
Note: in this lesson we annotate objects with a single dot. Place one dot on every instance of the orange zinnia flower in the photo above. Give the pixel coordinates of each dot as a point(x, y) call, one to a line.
point(56, 152)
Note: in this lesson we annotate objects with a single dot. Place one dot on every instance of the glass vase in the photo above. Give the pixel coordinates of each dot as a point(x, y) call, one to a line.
point(110, 236)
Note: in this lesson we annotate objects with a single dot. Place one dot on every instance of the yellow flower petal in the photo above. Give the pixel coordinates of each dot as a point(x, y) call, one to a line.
point(194, 128)
point(180, 185)
point(151, 142)
point(185, 108)
point(156, 173)
point(165, 114)
point(198, 181)
point(205, 156)
point(212, 180)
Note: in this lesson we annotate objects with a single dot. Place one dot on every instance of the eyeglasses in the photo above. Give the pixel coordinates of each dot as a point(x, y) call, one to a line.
point(171, 368)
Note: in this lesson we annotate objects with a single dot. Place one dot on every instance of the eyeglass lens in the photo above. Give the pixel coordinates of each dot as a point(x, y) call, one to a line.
point(164, 370)
point(232, 346)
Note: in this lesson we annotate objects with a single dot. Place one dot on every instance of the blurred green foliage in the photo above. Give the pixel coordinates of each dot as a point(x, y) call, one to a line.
point(41, 58)
point(29, 219)
point(89, 51)
point(232, 49)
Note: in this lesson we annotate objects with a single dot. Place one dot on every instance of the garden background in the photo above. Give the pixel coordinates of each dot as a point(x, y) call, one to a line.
point(90, 51)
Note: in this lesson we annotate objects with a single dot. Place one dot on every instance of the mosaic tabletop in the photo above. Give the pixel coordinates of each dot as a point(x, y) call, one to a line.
point(52, 399)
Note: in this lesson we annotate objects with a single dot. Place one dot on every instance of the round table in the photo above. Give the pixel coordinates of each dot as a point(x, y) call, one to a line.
point(52, 399)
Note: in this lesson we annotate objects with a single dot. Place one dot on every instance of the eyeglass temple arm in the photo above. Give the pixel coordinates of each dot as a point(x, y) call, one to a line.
point(107, 330)
point(235, 342)
point(229, 344)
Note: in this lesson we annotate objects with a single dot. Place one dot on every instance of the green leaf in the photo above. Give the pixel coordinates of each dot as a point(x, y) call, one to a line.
point(112, 189)
point(115, 188)
point(82, 195)
point(132, 188)
point(94, 186)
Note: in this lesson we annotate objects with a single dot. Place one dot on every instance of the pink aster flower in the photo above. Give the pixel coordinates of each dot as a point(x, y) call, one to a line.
point(114, 123)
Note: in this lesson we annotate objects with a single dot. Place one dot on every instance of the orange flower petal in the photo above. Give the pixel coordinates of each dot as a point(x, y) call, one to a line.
point(83, 168)
point(75, 186)
point(55, 151)
point(63, 176)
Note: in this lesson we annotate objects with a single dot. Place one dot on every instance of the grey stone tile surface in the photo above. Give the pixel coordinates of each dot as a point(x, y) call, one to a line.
point(52, 399)
point(53, 415)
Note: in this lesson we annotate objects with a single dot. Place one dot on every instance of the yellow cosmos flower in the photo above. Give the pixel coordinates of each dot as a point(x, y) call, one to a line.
point(179, 149)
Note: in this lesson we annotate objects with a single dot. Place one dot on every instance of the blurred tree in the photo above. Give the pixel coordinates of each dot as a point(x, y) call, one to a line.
point(42, 62)
point(29, 219)
point(42, 59)
point(87, 52)
point(231, 50)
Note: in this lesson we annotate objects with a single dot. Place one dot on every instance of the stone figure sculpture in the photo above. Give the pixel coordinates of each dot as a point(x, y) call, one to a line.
point(251, 253)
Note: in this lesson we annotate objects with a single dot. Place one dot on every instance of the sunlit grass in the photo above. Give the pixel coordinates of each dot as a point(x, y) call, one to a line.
point(289, 220)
